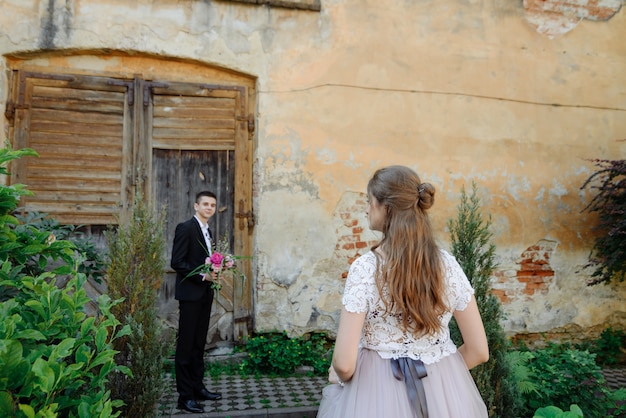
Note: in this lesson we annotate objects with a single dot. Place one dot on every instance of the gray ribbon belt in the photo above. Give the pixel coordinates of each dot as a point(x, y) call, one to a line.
point(412, 372)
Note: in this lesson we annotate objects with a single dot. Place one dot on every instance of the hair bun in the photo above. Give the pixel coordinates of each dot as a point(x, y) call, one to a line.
point(425, 195)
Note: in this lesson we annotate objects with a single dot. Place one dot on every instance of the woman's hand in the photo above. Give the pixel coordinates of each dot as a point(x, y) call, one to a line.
point(332, 375)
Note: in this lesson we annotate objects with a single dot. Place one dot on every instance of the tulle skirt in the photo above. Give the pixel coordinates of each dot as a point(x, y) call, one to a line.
point(373, 391)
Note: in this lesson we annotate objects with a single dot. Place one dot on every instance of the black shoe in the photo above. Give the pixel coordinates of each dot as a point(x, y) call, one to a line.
point(208, 396)
point(191, 406)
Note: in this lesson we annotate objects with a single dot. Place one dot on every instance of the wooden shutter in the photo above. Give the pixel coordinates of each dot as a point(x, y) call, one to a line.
point(194, 116)
point(80, 126)
point(200, 139)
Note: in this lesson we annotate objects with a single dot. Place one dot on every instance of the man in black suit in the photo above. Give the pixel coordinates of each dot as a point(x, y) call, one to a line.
point(192, 245)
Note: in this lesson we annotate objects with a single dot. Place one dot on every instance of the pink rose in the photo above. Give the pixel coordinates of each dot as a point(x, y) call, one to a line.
point(216, 259)
point(229, 263)
point(207, 260)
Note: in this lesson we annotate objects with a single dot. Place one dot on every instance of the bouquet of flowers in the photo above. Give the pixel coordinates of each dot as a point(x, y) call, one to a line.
point(217, 262)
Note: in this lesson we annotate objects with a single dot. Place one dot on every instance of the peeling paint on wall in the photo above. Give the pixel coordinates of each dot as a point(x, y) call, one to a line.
point(557, 17)
point(534, 275)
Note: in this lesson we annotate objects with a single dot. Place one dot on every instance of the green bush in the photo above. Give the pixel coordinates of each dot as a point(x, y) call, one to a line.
point(617, 403)
point(472, 247)
point(54, 358)
point(276, 354)
point(93, 258)
point(608, 348)
point(566, 376)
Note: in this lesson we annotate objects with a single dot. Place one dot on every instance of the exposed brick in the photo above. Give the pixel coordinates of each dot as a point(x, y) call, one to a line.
point(580, 9)
point(534, 266)
point(357, 230)
point(501, 295)
point(537, 286)
point(557, 17)
point(349, 223)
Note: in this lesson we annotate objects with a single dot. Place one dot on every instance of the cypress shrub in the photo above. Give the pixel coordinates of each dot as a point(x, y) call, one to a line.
point(471, 244)
point(135, 271)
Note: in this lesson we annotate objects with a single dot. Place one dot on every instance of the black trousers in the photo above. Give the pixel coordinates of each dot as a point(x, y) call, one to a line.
point(193, 326)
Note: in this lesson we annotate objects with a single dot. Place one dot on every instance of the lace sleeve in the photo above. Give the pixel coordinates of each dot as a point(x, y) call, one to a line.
point(459, 288)
point(360, 286)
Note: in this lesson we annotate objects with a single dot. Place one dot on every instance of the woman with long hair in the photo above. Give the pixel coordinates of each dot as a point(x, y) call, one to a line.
point(393, 354)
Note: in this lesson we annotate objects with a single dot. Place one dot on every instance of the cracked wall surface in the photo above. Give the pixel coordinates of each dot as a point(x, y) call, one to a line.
point(502, 93)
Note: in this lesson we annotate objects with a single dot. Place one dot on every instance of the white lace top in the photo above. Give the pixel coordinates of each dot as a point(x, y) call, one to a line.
point(382, 333)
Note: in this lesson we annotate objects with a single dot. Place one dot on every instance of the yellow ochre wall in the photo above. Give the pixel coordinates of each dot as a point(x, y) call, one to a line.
point(514, 95)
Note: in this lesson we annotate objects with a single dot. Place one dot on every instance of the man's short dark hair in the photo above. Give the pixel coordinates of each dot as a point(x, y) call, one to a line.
point(205, 193)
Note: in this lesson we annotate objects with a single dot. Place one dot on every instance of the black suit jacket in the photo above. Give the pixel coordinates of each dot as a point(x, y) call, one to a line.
point(188, 252)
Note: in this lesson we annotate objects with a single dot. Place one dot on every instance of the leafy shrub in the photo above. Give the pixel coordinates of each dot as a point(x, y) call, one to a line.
point(277, 354)
point(608, 348)
point(608, 256)
point(93, 258)
point(567, 376)
point(54, 358)
point(472, 247)
point(617, 403)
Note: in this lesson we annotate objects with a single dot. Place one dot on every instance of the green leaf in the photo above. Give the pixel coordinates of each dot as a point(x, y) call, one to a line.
point(44, 374)
point(103, 358)
point(63, 270)
point(11, 352)
point(548, 412)
point(101, 338)
point(29, 334)
point(27, 410)
point(33, 249)
point(576, 410)
point(37, 307)
point(86, 326)
point(6, 404)
point(64, 349)
point(83, 410)
point(84, 354)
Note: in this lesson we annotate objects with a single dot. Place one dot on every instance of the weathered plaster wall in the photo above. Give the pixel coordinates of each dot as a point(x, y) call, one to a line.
point(462, 91)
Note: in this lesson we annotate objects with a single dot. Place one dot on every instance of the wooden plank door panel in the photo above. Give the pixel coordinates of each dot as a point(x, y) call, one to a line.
point(80, 126)
point(178, 175)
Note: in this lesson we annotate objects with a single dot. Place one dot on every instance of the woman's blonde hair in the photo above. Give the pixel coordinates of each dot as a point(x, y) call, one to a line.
point(412, 271)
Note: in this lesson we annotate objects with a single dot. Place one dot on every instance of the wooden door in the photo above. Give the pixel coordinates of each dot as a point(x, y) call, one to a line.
point(200, 140)
point(100, 138)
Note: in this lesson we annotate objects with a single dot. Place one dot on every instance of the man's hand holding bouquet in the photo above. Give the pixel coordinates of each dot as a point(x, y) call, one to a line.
point(218, 262)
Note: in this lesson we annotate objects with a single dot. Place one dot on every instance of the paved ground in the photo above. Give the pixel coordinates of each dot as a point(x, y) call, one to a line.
point(291, 397)
point(250, 397)
point(615, 378)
